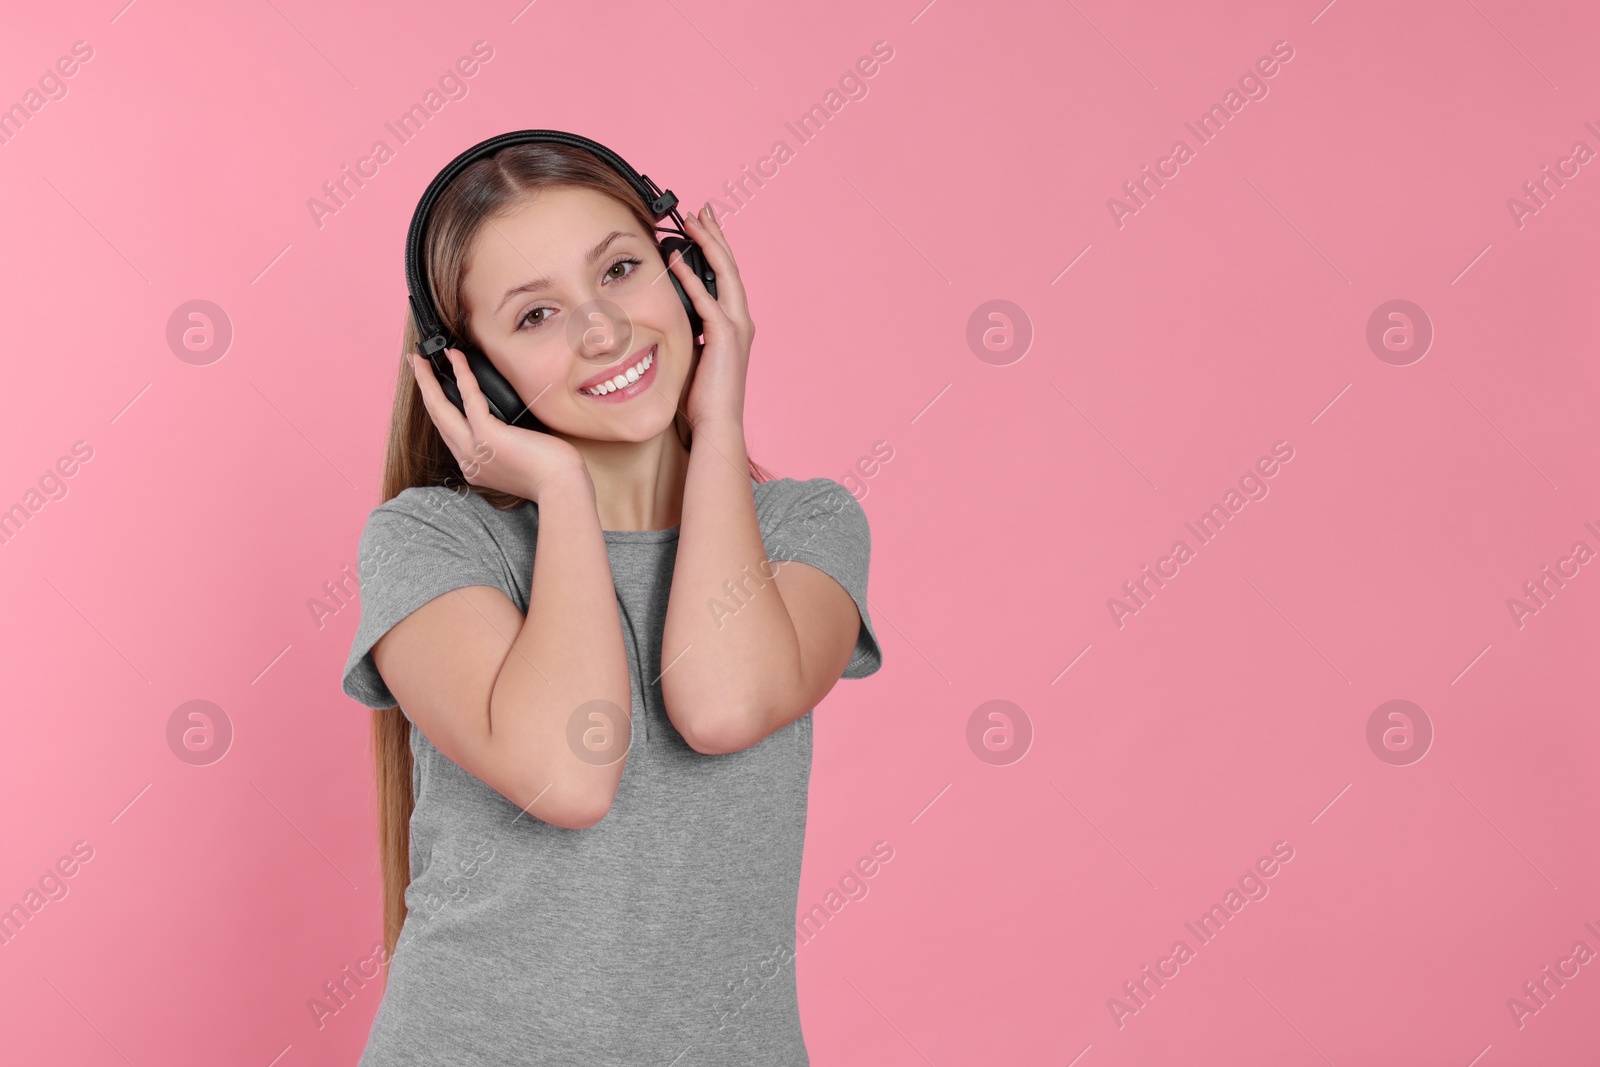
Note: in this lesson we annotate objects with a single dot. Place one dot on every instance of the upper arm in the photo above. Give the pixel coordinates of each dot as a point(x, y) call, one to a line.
point(822, 546)
point(441, 662)
point(826, 625)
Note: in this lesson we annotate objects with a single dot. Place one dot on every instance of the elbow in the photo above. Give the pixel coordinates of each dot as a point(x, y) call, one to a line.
point(719, 735)
point(579, 817)
point(567, 804)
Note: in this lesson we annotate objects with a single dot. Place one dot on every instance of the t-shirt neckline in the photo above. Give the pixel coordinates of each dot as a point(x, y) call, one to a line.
point(640, 536)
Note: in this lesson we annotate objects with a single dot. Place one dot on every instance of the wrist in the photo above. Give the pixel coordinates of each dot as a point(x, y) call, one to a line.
point(568, 481)
point(722, 427)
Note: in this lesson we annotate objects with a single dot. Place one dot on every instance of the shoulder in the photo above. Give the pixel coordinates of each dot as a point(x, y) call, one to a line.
point(424, 542)
point(795, 512)
point(789, 493)
point(434, 514)
point(433, 501)
point(421, 501)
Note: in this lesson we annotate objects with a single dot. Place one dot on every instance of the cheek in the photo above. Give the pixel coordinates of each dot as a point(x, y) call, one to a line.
point(663, 303)
point(667, 315)
point(530, 367)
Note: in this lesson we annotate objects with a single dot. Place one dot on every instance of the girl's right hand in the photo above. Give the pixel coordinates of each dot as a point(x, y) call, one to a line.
point(492, 453)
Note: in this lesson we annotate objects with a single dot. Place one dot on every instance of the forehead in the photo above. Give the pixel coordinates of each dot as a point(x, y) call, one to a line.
point(547, 232)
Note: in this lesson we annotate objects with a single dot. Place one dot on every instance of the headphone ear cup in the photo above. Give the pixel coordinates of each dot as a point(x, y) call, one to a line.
point(695, 259)
point(504, 403)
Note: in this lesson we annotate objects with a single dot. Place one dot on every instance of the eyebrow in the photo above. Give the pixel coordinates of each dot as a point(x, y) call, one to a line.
point(544, 283)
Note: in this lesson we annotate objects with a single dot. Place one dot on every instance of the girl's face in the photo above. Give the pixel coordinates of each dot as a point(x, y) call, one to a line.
point(567, 290)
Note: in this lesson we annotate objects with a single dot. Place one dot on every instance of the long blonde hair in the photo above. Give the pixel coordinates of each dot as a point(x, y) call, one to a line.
point(417, 454)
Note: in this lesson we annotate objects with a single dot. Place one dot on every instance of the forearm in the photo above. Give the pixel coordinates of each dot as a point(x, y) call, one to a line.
point(568, 654)
point(728, 642)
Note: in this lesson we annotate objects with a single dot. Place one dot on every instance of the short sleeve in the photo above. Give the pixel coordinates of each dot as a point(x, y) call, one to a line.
point(423, 543)
point(821, 524)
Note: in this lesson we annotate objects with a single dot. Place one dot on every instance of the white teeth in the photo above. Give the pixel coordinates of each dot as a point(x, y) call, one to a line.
point(633, 374)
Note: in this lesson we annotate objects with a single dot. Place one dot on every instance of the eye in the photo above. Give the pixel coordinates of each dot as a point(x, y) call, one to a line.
point(523, 324)
point(624, 261)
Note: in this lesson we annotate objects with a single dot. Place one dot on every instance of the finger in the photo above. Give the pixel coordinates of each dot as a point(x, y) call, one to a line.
point(451, 424)
point(433, 397)
point(708, 219)
point(730, 286)
point(472, 398)
point(703, 301)
point(482, 424)
point(730, 300)
point(446, 419)
point(713, 242)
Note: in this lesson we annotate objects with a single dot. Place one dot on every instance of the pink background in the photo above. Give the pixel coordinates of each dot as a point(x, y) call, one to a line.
point(1229, 313)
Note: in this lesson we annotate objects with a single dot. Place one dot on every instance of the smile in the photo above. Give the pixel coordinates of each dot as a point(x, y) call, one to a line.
point(625, 384)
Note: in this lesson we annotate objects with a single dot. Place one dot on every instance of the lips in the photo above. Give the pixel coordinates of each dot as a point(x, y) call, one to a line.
point(620, 367)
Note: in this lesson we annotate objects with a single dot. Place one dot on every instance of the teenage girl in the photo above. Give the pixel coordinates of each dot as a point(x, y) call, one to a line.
point(593, 649)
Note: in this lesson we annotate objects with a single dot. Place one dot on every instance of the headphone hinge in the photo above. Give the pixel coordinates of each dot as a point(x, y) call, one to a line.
point(665, 200)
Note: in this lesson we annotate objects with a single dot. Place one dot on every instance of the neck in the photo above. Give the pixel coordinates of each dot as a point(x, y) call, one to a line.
point(637, 486)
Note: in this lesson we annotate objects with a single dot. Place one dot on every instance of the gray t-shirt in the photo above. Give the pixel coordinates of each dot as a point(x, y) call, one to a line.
point(662, 936)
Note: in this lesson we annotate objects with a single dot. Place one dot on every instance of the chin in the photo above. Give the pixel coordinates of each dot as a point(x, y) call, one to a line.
point(641, 424)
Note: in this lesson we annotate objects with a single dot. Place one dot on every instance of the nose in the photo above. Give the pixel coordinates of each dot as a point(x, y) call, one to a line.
point(600, 333)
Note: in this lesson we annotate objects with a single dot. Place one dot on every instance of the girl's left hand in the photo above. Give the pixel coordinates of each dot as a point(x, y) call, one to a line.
point(717, 392)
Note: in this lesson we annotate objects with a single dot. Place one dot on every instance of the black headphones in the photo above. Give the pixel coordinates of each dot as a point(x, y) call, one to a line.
point(434, 338)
